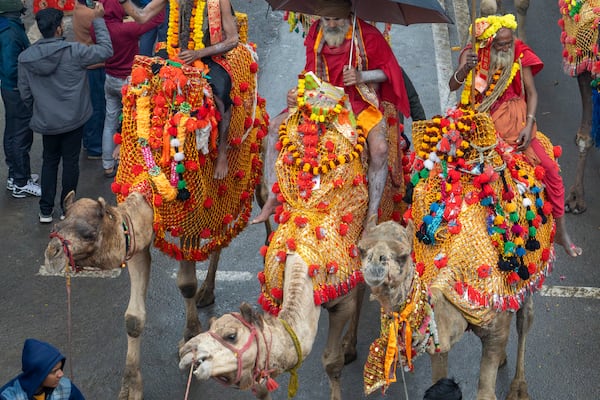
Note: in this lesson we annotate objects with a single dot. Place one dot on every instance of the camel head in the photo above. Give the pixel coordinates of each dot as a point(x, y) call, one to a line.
point(387, 265)
point(92, 232)
point(229, 351)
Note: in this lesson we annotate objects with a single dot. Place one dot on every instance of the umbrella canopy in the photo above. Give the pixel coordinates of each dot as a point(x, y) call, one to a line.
point(402, 12)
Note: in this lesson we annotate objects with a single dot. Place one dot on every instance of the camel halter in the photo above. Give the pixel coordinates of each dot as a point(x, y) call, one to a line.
point(257, 372)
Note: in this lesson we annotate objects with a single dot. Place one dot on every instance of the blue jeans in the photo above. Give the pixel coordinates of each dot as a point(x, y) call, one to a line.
point(158, 34)
point(18, 136)
point(92, 130)
point(112, 125)
point(65, 146)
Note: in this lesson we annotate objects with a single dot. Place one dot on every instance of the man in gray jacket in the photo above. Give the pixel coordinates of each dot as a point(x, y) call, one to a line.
point(53, 83)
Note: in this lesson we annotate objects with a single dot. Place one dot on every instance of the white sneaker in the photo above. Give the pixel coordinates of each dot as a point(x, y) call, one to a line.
point(45, 219)
point(30, 189)
point(10, 182)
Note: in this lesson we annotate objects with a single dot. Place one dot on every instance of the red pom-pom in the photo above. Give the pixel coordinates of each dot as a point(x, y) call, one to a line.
point(332, 267)
point(208, 202)
point(313, 270)
point(117, 138)
point(513, 278)
point(557, 150)
point(244, 86)
point(539, 172)
point(484, 271)
point(205, 233)
point(115, 187)
point(320, 232)
point(277, 293)
point(237, 101)
point(343, 229)
point(291, 244)
point(300, 221)
point(253, 67)
point(157, 200)
point(281, 256)
point(227, 219)
point(261, 277)
point(420, 268)
point(263, 250)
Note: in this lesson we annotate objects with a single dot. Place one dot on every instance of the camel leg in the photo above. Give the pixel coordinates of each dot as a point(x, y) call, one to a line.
point(518, 387)
point(521, 6)
point(451, 325)
point(187, 284)
point(575, 201)
point(205, 296)
point(333, 356)
point(135, 319)
point(493, 352)
point(351, 336)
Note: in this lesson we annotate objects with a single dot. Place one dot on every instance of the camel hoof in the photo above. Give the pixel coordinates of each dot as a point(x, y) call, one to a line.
point(518, 391)
point(204, 298)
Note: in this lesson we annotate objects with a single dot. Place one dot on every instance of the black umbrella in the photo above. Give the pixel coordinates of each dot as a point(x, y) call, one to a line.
point(402, 12)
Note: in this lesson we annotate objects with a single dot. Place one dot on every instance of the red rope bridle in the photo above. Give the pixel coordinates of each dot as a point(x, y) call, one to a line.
point(257, 373)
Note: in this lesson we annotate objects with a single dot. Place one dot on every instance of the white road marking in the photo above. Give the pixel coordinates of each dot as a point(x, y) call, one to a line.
point(223, 276)
point(570, 291)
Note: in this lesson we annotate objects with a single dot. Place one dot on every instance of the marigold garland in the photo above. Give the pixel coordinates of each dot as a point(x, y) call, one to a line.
point(465, 97)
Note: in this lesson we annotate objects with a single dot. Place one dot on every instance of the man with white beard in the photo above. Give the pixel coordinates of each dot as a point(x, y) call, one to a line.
point(504, 68)
point(374, 76)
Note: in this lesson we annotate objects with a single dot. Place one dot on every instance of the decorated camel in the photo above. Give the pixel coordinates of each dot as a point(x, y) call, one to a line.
point(579, 39)
point(312, 260)
point(478, 243)
point(165, 187)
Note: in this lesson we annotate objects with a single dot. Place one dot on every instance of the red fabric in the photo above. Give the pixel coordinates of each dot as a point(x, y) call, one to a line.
point(378, 54)
point(554, 187)
point(125, 37)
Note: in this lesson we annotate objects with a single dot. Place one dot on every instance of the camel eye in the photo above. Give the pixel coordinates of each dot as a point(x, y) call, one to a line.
point(382, 259)
point(401, 259)
point(232, 337)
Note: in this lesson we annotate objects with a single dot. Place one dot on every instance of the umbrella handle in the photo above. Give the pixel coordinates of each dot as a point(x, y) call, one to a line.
point(352, 40)
point(473, 42)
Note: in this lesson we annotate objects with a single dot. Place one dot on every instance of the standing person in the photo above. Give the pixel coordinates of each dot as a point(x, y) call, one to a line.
point(42, 376)
point(444, 389)
point(118, 68)
point(83, 16)
point(53, 83)
point(374, 76)
point(159, 34)
point(504, 68)
point(220, 36)
point(18, 136)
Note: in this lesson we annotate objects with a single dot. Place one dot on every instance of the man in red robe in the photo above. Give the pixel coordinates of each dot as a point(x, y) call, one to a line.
point(360, 60)
point(504, 68)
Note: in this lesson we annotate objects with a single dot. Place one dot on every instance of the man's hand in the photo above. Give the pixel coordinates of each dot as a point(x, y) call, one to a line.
point(98, 10)
point(524, 137)
point(292, 98)
point(352, 76)
point(471, 60)
point(189, 56)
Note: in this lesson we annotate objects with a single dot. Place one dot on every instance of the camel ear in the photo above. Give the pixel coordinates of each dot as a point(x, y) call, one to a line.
point(249, 315)
point(69, 199)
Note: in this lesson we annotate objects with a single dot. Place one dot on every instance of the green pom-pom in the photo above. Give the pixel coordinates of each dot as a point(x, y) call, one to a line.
point(424, 173)
point(180, 168)
point(532, 231)
point(530, 215)
point(513, 216)
point(181, 184)
point(509, 248)
point(415, 179)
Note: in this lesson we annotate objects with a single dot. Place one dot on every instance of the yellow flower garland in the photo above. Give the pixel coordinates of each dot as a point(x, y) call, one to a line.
point(196, 23)
point(465, 97)
point(494, 24)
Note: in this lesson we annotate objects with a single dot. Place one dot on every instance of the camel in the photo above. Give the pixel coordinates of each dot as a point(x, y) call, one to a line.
point(478, 243)
point(389, 272)
point(311, 261)
point(247, 350)
point(579, 39)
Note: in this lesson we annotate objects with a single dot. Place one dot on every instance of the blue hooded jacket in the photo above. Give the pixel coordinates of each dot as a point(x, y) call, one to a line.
point(13, 41)
point(37, 360)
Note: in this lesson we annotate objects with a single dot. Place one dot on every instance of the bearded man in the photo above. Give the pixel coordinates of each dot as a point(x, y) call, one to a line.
point(504, 68)
point(370, 77)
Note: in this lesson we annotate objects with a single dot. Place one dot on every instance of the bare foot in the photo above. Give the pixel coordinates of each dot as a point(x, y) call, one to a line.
point(562, 238)
point(266, 211)
point(222, 166)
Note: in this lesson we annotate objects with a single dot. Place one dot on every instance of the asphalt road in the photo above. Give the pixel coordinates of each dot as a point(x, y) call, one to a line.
point(562, 353)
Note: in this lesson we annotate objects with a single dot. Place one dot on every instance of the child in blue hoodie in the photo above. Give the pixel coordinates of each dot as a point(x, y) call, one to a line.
point(42, 377)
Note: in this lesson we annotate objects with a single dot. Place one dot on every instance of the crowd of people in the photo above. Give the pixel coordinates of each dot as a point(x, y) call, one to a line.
point(70, 93)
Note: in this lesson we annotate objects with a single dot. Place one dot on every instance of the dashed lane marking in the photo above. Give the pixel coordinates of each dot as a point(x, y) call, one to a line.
point(224, 276)
point(570, 291)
